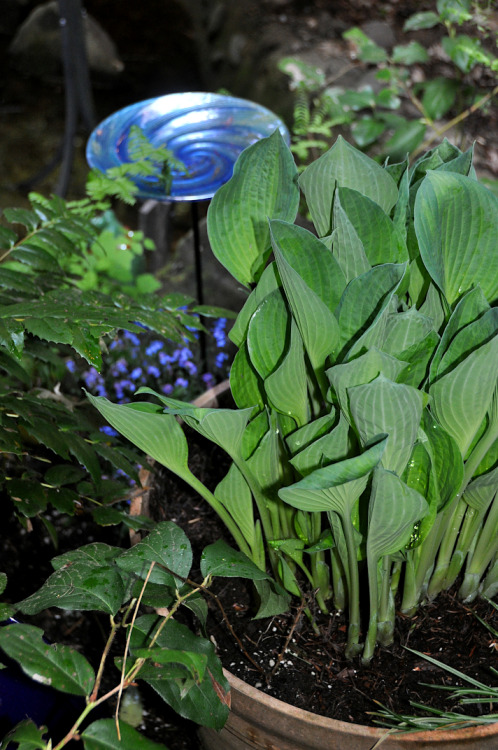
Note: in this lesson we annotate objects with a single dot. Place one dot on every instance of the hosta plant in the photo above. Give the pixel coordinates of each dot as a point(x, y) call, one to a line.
point(364, 437)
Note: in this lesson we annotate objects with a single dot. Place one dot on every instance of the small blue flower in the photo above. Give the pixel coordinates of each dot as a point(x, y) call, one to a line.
point(208, 378)
point(154, 347)
point(108, 430)
point(220, 358)
point(181, 383)
point(184, 356)
point(131, 337)
point(136, 373)
point(70, 365)
point(165, 359)
point(191, 368)
point(120, 367)
point(153, 371)
point(167, 389)
point(219, 332)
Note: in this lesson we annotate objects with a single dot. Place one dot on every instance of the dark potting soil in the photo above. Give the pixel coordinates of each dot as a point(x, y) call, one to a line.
point(285, 658)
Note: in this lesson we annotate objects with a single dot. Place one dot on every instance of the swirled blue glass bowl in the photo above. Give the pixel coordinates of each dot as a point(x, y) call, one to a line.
point(206, 132)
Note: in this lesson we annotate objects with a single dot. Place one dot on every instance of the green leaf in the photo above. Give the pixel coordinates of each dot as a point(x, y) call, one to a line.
point(423, 20)
point(245, 384)
point(368, 51)
point(456, 221)
point(457, 403)
point(102, 735)
point(157, 434)
point(466, 52)
point(219, 559)
point(345, 166)
point(312, 260)
point(392, 513)
point(3, 582)
point(27, 735)
point(408, 54)
point(234, 494)
point(263, 186)
point(268, 333)
point(317, 325)
point(376, 231)
point(287, 387)
point(84, 579)
point(195, 663)
point(273, 599)
point(439, 96)
point(446, 459)
point(204, 703)
point(366, 131)
point(59, 666)
point(405, 139)
point(169, 547)
point(335, 487)
point(386, 408)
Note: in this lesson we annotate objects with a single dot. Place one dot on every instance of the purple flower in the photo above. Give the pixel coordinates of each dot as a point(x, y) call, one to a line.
point(181, 383)
point(120, 367)
point(70, 365)
point(165, 359)
point(208, 378)
point(108, 430)
point(136, 373)
point(153, 371)
point(131, 337)
point(220, 358)
point(219, 332)
point(167, 389)
point(154, 347)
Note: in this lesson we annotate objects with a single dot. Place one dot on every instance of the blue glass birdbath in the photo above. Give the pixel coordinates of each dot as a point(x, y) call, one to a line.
point(206, 132)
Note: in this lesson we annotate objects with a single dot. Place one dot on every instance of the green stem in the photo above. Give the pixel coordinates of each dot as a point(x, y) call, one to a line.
point(422, 561)
point(485, 550)
point(385, 616)
point(452, 529)
point(469, 530)
point(373, 588)
point(490, 584)
point(353, 647)
point(338, 580)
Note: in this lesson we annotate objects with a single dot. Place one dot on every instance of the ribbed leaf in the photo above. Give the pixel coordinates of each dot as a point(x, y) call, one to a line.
point(263, 186)
point(219, 559)
point(245, 384)
point(312, 260)
point(235, 495)
point(393, 510)
point(460, 399)
point(347, 167)
point(348, 248)
point(268, 334)
point(456, 222)
point(287, 387)
point(103, 735)
point(446, 459)
point(393, 409)
point(374, 228)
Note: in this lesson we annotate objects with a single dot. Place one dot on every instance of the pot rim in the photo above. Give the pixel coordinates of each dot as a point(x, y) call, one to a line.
point(360, 730)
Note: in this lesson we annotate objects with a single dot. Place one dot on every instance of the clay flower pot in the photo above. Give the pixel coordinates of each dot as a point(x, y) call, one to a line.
point(259, 722)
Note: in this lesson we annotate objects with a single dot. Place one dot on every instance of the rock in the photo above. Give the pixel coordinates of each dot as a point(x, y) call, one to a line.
point(36, 47)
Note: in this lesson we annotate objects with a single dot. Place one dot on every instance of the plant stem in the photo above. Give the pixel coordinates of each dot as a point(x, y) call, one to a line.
point(352, 647)
point(452, 528)
point(485, 550)
point(373, 588)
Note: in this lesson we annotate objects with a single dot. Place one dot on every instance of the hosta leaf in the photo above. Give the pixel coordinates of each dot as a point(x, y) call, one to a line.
point(311, 259)
point(245, 384)
point(446, 459)
point(167, 545)
point(103, 735)
point(267, 284)
point(403, 330)
point(337, 486)
point(347, 167)
point(157, 434)
point(471, 306)
point(456, 221)
point(235, 495)
point(458, 403)
point(263, 186)
point(287, 387)
point(361, 370)
point(374, 228)
point(59, 666)
point(468, 339)
point(317, 325)
point(347, 246)
point(393, 510)
point(481, 491)
point(268, 334)
point(393, 409)
point(334, 446)
point(363, 303)
point(205, 703)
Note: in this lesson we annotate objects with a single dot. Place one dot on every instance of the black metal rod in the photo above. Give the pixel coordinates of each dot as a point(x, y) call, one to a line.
point(198, 277)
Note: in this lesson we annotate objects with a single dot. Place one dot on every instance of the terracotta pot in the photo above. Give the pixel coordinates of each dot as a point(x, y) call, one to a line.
point(259, 722)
